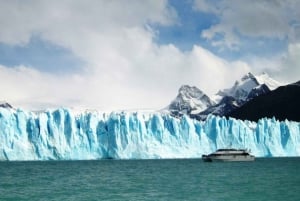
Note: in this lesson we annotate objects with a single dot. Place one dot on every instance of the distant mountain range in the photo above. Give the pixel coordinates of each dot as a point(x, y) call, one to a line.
point(282, 103)
point(252, 97)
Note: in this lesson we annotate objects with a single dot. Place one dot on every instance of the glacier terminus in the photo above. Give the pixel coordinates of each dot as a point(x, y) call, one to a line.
point(62, 134)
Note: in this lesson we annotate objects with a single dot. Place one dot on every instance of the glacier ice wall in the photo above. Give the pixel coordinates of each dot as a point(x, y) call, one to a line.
point(62, 135)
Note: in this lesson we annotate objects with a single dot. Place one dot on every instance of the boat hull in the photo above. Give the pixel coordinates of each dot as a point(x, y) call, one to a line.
point(232, 159)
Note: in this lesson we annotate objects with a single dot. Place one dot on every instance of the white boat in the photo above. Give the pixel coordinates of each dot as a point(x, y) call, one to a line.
point(229, 155)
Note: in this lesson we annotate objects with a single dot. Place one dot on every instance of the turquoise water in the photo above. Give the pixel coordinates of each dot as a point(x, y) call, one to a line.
point(265, 179)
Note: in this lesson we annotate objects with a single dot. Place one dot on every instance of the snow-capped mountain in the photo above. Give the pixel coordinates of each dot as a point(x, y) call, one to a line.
point(282, 103)
point(4, 104)
point(190, 100)
point(249, 85)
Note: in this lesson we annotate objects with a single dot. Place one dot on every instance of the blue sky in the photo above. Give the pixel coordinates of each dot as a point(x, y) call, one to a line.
point(185, 33)
point(39, 54)
point(191, 22)
point(118, 55)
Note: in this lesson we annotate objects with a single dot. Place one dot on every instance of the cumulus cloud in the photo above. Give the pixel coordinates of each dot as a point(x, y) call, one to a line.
point(290, 63)
point(239, 21)
point(257, 18)
point(124, 68)
point(284, 67)
point(66, 17)
point(152, 85)
point(206, 6)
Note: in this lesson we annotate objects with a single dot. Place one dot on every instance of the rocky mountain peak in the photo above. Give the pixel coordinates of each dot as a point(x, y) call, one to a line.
point(190, 91)
point(190, 100)
point(195, 103)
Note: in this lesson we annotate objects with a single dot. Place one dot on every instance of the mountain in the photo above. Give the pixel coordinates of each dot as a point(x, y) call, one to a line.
point(249, 86)
point(244, 90)
point(5, 105)
point(225, 106)
point(193, 102)
point(62, 135)
point(282, 103)
point(190, 100)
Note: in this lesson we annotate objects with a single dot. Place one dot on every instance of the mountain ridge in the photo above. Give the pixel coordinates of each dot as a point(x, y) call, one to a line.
point(226, 100)
point(194, 103)
point(281, 103)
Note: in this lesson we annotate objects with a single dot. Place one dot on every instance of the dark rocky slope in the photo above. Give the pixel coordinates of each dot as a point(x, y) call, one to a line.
point(282, 103)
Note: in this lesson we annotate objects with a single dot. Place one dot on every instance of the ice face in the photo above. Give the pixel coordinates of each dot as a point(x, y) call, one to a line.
point(62, 135)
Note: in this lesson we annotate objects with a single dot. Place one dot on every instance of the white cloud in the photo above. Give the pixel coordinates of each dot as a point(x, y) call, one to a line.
point(284, 67)
point(206, 6)
point(290, 63)
point(67, 17)
point(257, 18)
point(30, 88)
point(147, 82)
point(124, 67)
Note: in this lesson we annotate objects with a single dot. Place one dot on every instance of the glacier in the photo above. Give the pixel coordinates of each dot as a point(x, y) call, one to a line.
point(62, 134)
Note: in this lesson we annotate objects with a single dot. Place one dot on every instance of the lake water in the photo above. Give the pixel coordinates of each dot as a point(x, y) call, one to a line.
point(191, 179)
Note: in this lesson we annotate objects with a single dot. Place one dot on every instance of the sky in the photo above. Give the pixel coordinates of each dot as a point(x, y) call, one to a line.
point(133, 54)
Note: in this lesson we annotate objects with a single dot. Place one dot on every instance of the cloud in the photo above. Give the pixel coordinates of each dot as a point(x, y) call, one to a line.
point(258, 18)
point(290, 63)
point(284, 67)
point(27, 87)
point(52, 18)
point(124, 68)
point(151, 81)
point(206, 6)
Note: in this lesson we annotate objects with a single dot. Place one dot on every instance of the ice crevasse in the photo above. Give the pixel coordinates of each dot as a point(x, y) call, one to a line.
point(63, 135)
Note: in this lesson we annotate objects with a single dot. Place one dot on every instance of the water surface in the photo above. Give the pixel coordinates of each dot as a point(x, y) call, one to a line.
point(191, 179)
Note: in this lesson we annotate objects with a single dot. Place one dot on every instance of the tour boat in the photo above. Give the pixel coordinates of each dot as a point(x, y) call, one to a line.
point(229, 155)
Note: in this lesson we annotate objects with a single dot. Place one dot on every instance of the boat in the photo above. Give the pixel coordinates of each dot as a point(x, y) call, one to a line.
point(229, 155)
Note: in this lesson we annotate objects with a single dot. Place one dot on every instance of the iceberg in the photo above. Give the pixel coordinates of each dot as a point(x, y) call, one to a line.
point(62, 134)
